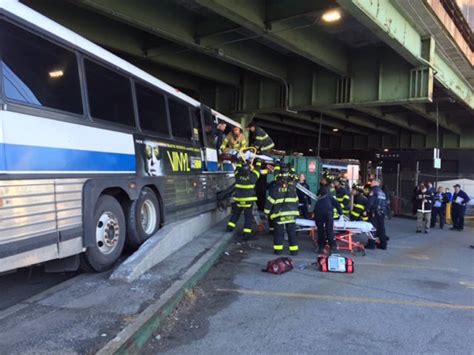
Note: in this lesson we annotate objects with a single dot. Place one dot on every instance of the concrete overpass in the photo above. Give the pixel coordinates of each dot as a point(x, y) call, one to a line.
point(380, 77)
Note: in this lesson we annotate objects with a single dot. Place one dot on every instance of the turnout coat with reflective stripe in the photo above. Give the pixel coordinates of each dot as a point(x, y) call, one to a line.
point(282, 203)
point(359, 208)
point(263, 142)
point(344, 200)
point(244, 193)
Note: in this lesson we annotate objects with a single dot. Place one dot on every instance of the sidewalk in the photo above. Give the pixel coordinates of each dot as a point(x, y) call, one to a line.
point(85, 314)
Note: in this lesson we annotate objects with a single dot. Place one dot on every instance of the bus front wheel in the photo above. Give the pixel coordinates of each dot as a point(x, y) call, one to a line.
point(110, 231)
point(143, 218)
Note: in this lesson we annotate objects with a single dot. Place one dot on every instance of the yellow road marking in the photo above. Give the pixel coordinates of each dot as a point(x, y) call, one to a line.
point(320, 297)
point(467, 284)
point(419, 256)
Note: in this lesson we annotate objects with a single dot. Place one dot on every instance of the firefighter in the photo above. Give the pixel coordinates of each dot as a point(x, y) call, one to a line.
point(359, 207)
point(342, 196)
point(235, 140)
point(324, 214)
point(261, 140)
point(367, 189)
point(376, 207)
point(292, 172)
point(282, 209)
point(244, 196)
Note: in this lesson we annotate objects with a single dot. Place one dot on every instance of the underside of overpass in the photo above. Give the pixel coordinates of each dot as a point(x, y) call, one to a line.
point(379, 78)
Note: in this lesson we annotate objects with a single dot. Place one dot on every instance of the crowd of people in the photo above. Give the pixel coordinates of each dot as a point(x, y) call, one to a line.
point(284, 202)
point(431, 205)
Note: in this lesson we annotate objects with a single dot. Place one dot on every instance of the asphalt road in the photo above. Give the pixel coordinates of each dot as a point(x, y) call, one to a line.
point(22, 284)
point(415, 297)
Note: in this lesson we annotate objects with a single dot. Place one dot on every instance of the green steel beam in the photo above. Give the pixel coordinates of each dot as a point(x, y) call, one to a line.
point(286, 121)
point(394, 119)
point(361, 121)
point(310, 42)
point(422, 111)
point(393, 28)
point(172, 22)
point(328, 121)
point(125, 39)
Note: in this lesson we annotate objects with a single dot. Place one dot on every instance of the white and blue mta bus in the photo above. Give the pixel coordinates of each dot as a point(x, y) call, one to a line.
point(94, 152)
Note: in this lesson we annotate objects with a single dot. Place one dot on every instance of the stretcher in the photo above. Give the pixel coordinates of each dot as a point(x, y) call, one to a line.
point(344, 231)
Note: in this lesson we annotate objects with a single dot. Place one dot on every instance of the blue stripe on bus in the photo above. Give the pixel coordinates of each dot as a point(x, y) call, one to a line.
point(32, 158)
point(212, 166)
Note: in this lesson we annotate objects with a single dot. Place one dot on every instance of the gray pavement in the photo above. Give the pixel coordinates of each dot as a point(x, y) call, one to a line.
point(415, 297)
point(84, 313)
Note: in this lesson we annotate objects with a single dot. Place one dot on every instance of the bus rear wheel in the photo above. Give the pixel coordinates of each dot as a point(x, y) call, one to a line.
point(143, 218)
point(110, 231)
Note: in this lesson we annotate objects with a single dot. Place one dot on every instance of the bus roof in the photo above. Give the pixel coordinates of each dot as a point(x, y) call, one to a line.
point(15, 8)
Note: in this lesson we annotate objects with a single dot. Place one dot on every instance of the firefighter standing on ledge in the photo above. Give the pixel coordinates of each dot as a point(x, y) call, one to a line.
point(244, 197)
point(282, 209)
point(261, 140)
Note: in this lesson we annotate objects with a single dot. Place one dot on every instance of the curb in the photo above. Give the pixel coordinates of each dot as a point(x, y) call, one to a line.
point(136, 334)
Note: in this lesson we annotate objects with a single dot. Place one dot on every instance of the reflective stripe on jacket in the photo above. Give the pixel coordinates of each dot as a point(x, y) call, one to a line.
point(282, 203)
point(359, 209)
point(245, 181)
point(263, 142)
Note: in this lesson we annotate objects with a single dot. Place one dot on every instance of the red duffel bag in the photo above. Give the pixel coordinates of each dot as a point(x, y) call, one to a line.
point(279, 266)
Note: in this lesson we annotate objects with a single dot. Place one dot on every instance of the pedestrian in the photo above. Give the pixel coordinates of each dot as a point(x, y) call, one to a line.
point(376, 206)
point(260, 139)
point(430, 188)
point(439, 208)
point(324, 215)
point(458, 208)
point(234, 141)
point(303, 199)
point(424, 201)
point(282, 209)
point(244, 196)
point(449, 195)
point(359, 207)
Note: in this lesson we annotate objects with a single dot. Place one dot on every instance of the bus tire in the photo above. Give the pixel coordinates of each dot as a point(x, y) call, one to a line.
point(110, 232)
point(143, 218)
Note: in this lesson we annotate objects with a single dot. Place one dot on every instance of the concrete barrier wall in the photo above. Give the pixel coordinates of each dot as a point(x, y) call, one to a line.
point(165, 242)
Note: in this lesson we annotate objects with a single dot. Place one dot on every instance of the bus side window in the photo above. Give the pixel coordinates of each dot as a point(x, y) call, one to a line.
point(110, 94)
point(38, 72)
point(196, 119)
point(180, 120)
point(209, 128)
point(151, 110)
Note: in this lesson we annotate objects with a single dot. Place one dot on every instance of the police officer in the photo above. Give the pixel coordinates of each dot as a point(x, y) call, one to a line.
point(261, 140)
point(359, 207)
point(244, 196)
point(458, 208)
point(376, 206)
point(342, 196)
point(324, 214)
point(282, 209)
